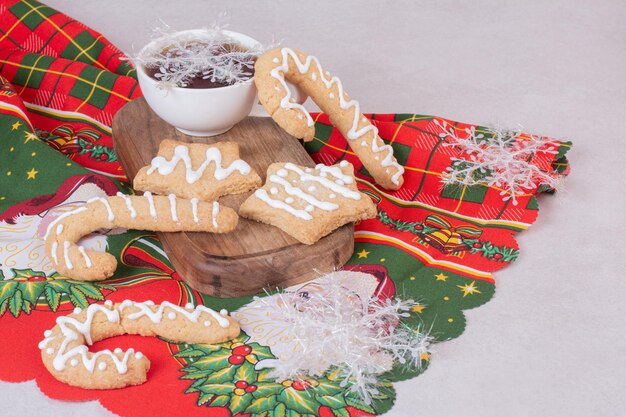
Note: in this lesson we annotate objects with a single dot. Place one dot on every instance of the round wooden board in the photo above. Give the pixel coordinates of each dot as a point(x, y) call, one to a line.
point(254, 256)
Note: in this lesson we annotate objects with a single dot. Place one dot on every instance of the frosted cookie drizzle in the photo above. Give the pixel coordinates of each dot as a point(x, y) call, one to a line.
point(354, 132)
point(71, 328)
point(181, 153)
point(189, 312)
point(74, 261)
point(330, 178)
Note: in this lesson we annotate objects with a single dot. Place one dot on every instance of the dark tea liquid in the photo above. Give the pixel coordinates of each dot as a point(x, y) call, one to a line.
point(205, 77)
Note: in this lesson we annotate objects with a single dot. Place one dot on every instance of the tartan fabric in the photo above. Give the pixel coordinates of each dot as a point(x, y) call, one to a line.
point(61, 85)
point(71, 80)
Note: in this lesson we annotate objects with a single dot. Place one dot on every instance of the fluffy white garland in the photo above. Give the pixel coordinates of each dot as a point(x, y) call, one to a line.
point(361, 338)
point(500, 160)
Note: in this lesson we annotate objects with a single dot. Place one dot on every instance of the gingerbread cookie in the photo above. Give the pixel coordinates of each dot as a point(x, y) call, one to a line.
point(198, 170)
point(66, 355)
point(276, 65)
point(147, 212)
point(308, 203)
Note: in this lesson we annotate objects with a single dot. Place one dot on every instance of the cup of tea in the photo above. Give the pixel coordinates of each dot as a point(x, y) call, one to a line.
point(203, 106)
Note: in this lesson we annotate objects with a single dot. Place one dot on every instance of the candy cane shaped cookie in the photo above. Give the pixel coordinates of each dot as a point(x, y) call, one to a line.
point(275, 66)
point(66, 355)
point(147, 212)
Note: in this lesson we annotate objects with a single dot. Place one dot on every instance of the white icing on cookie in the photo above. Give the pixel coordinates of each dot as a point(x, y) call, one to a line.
point(335, 172)
point(157, 316)
point(61, 217)
point(85, 256)
point(295, 191)
point(261, 194)
point(59, 229)
point(172, 199)
point(55, 247)
point(71, 328)
point(339, 189)
point(151, 206)
point(181, 153)
point(48, 337)
point(66, 257)
point(331, 178)
point(106, 204)
point(194, 209)
point(129, 205)
point(214, 213)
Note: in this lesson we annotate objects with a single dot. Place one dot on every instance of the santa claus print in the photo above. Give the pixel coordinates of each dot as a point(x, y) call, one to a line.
point(23, 226)
point(264, 321)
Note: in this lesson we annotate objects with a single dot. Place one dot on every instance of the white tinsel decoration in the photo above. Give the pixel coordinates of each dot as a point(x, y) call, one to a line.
point(178, 59)
point(500, 159)
point(361, 338)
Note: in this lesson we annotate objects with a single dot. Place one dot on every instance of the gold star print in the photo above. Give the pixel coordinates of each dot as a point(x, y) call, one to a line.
point(469, 288)
point(441, 276)
point(363, 254)
point(30, 175)
point(425, 356)
point(16, 125)
point(30, 136)
point(418, 308)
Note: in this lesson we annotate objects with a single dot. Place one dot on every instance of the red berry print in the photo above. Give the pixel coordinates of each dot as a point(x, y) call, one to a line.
point(37, 278)
point(241, 384)
point(251, 388)
point(242, 350)
point(300, 385)
point(236, 359)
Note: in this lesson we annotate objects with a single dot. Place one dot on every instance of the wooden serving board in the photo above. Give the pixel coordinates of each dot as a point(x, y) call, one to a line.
point(255, 255)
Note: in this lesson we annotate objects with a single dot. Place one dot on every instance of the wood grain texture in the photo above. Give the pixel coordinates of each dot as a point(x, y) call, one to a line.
point(255, 255)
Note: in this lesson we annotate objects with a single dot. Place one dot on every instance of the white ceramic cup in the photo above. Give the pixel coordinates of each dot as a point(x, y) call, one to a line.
point(205, 111)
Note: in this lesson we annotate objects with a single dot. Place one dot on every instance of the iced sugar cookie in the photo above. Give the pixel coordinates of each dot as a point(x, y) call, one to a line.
point(280, 64)
point(308, 203)
point(197, 170)
point(66, 355)
point(147, 212)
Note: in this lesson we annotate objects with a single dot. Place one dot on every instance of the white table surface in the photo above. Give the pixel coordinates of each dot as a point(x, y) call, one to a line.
point(551, 342)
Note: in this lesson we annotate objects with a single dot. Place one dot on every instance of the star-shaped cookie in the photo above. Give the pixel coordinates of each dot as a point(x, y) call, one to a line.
point(308, 203)
point(197, 170)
